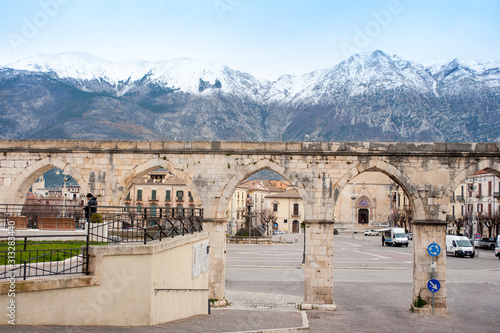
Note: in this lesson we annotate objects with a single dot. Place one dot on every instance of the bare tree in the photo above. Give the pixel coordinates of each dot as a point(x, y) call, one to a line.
point(460, 223)
point(403, 217)
point(269, 217)
point(493, 224)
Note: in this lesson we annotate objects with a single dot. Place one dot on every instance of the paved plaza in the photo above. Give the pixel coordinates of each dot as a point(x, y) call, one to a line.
point(372, 291)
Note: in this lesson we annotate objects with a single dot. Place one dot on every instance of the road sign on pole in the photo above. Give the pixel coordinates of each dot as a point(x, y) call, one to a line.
point(434, 249)
point(433, 285)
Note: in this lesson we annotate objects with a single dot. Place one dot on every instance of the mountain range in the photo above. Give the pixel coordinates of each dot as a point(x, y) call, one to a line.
point(369, 97)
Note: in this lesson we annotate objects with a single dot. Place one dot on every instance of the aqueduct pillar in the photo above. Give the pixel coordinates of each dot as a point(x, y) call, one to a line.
point(426, 233)
point(318, 270)
point(216, 229)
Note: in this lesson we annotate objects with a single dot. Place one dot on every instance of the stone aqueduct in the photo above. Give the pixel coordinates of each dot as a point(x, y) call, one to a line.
point(428, 173)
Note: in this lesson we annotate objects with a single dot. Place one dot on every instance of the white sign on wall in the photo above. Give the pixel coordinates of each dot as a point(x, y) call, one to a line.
point(196, 260)
point(204, 257)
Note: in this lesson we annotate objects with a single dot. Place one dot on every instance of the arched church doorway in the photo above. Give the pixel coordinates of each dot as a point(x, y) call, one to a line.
point(363, 216)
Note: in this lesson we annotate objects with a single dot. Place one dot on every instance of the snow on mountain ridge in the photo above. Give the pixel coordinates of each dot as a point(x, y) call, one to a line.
point(358, 75)
point(182, 73)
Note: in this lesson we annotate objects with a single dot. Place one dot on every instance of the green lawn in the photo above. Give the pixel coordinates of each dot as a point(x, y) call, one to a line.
point(42, 251)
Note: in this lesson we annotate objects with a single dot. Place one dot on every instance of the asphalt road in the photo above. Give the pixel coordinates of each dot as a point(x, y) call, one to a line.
point(372, 286)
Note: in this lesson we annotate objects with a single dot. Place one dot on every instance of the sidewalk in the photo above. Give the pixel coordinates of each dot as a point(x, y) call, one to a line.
point(362, 307)
point(220, 320)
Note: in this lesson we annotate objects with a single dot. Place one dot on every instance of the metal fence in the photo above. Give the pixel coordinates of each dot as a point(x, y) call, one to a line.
point(34, 256)
point(41, 255)
point(127, 224)
point(43, 217)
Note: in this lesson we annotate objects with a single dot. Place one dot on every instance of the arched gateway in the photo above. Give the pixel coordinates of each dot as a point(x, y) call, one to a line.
point(427, 172)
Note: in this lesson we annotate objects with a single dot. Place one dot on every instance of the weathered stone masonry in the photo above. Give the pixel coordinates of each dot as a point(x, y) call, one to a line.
point(428, 172)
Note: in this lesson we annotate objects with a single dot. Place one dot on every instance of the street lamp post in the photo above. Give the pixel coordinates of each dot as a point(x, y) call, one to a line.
point(389, 190)
point(65, 180)
point(353, 198)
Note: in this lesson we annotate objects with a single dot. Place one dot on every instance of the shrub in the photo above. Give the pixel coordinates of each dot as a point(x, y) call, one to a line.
point(419, 302)
point(96, 218)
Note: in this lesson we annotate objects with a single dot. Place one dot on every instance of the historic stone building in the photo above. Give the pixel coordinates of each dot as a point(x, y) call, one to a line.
point(287, 209)
point(370, 201)
point(253, 193)
point(476, 198)
point(159, 188)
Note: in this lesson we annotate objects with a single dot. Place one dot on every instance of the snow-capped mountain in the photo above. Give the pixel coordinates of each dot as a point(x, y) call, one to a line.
point(369, 97)
point(188, 75)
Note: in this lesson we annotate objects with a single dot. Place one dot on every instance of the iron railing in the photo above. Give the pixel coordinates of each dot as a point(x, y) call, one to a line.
point(35, 256)
point(144, 224)
point(41, 255)
point(35, 216)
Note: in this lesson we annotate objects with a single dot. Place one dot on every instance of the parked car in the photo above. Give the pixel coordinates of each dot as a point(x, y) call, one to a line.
point(497, 247)
point(371, 232)
point(410, 236)
point(475, 242)
point(487, 243)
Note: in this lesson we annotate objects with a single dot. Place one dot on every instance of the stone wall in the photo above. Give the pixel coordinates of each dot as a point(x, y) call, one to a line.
point(319, 171)
point(130, 285)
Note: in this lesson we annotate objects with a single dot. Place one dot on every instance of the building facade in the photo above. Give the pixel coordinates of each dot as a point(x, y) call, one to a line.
point(372, 201)
point(474, 200)
point(257, 198)
point(287, 211)
point(159, 189)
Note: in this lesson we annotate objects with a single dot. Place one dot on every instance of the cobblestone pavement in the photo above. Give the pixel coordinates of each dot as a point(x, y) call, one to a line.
point(248, 300)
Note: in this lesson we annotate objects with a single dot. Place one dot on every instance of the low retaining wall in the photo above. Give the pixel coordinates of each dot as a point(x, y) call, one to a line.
point(60, 235)
point(130, 285)
point(249, 240)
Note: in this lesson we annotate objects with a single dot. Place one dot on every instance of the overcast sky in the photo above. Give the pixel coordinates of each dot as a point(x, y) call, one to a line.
point(266, 38)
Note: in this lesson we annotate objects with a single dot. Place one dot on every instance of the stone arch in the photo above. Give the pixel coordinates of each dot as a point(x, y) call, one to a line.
point(23, 181)
point(392, 172)
point(488, 165)
point(249, 170)
point(125, 183)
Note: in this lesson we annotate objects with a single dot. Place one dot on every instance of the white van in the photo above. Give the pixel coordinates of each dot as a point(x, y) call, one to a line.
point(396, 237)
point(497, 247)
point(459, 246)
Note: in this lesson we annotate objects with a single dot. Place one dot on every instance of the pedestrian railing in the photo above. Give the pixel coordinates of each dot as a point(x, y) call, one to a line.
point(35, 256)
point(32, 255)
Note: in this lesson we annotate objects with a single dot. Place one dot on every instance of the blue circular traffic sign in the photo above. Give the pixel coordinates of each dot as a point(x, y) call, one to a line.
point(434, 249)
point(433, 285)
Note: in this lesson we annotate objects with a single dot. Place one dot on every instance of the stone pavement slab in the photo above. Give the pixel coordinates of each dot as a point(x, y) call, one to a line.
point(219, 321)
